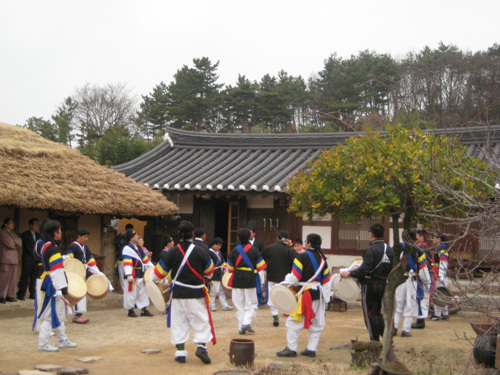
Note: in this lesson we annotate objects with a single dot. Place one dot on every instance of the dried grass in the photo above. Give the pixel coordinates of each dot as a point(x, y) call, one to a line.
point(36, 173)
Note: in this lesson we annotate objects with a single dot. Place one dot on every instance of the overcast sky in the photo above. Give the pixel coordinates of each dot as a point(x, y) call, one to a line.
point(49, 48)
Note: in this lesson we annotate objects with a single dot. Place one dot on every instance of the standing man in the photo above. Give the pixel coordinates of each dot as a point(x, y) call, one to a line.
point(373, 274)
point(120, 242)
point(260, 277)
point(440, 260)
point(406, 293)
point(79, 250)
point(9, 260)
point(189, 266)
point(279, 258)
point(135, 264)
point(54, 288)
point(29, 270)
point(243, 261)
point(424, 288)
point(167, 242)
point(310, 271)
point(216, 289)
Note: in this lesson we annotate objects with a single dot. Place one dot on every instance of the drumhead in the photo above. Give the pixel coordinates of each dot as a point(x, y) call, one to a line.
point(156, 296)
point(77, 288)
point(97, 286)
point(441, 297)
point(283, 299)
point(345, 289)
point(74, 265)
point(148, 273)
point(225, 280)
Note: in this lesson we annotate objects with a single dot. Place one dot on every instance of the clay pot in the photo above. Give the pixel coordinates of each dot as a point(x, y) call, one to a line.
point(241, 352)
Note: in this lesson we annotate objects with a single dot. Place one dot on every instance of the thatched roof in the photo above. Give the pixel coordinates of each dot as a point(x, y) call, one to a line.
point(36, 173)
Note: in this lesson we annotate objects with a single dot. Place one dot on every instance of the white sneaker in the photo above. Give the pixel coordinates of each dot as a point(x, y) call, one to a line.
point(66, 344)
point(213, 308)
point(228, 308)
point(48, 348)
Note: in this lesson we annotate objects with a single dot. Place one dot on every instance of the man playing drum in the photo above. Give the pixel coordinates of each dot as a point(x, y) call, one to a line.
point(244, 261)
point(79, 250)
point(135, 264)
point(189, 265)
point(279, 258)
point(310, 272)
point(54, 287)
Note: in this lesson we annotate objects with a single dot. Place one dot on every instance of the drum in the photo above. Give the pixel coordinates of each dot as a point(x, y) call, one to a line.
point(355, 264)
point(159, 294)
point(283, 297)
point(225, 280)
point(76, 288)
point(345, 289)
point(97, 286)
point(75, 266)
point(441, 297)
point(148, 273)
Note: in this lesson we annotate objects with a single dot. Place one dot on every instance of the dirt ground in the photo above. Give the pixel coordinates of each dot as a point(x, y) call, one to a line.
point(119, 341)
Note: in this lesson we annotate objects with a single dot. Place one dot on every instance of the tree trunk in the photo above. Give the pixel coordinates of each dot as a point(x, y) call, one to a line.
point(396, 278)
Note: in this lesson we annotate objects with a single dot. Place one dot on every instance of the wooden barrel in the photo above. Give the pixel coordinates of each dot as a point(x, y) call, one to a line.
point(485, 350)
point(241, 352)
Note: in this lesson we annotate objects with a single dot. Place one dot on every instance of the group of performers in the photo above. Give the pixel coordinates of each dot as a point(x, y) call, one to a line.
point(51, 300)
point(191, 265)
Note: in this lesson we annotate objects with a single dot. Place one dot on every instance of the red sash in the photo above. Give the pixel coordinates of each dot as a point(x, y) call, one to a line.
point(207, 298)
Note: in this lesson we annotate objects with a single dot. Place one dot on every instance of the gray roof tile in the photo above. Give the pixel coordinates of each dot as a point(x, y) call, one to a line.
point(251, 162)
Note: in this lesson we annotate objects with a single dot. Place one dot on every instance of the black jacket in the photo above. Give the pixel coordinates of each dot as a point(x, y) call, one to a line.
point(279, 259)
point(371, 272)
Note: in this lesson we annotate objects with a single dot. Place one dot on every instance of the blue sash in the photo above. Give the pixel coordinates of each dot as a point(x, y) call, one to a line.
point(49, 289)
point(244, 256)
point(315, 265)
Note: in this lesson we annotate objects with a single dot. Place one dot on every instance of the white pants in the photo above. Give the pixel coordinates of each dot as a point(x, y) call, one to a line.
point(424, 304)
point(137, 296)
point(38, 296)
point(274, 310)
point(81, 306)
point(217, 290)
point(294, 328)
point(406, 304)
point(186, 314)
point(438, 311)
point(245, 301)
point(45, 322)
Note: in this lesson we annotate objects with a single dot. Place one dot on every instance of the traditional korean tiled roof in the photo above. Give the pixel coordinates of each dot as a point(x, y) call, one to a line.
point(195, 161)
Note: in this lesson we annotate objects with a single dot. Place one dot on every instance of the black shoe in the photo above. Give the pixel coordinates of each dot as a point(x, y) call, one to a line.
point(394, 333)
point(419, 324)
point(276, 323)
point(242, 330)
point(435, 318)
point(180, 359)
point(308, 353)
point(20, 298)
point(445, 317)
point(10, 299)
point(202, 354)
point(132, 314)
point(2, 300)
point(248, 328)
point(287, 353)
point(146, 312)
point(32, 297)
point(406, 334)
